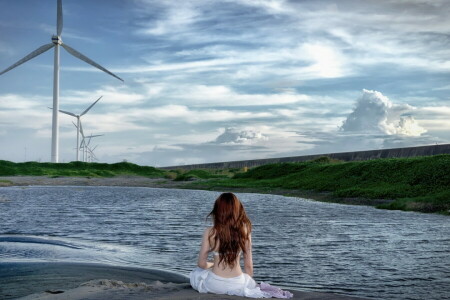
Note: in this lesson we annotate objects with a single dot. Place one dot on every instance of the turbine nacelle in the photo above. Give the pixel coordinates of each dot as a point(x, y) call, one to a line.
point(56, 40)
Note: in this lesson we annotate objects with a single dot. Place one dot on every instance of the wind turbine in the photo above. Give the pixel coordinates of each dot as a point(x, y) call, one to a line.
point(92, 156)
point(56, 42)
point(82, 144)
point(86, 146)
point(79, 122)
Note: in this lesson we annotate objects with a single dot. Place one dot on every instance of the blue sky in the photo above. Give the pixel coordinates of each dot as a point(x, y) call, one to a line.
point(210, 81)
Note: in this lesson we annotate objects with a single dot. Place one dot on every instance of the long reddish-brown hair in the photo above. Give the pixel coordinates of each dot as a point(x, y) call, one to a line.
point(231, 229)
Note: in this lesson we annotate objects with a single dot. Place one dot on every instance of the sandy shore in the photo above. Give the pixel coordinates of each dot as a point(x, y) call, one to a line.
point(137, 181)
point(70, 281)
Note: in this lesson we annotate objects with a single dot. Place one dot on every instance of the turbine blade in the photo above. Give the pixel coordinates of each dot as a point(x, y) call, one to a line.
point(74, 124)
point(59, 18)
point(88, 60)
point(81, 130)
point(87, 109)
point(33, 54)
point(68, 113)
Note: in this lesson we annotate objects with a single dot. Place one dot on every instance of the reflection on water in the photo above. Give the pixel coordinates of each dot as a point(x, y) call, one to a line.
point(298, 243)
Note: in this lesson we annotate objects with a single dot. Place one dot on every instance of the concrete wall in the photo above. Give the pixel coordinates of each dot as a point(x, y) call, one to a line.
point(345, 156)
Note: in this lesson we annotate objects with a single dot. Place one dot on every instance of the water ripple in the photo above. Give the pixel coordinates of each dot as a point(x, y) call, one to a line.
point(298, 243)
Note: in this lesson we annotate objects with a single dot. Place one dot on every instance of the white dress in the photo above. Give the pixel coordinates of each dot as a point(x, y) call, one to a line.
point(205, 281)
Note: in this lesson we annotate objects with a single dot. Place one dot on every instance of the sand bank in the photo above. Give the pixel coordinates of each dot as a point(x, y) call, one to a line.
point(70, 281)
point(132, 181)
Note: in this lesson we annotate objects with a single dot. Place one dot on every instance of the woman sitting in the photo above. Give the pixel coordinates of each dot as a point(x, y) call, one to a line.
point(227, 240)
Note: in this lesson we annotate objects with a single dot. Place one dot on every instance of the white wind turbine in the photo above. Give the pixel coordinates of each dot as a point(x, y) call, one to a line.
point(86, 145)
point(92, 156)
point(56, 42)
point(78, 123)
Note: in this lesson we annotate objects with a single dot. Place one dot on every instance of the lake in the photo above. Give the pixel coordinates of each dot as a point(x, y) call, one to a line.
point(297, 243)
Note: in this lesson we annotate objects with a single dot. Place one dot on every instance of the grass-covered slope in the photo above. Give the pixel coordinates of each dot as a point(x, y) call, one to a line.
point(183, 175)
point(420, 184)
point(77, 168)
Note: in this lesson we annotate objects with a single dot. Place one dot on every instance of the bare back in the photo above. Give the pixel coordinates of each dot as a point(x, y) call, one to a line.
point(223, 269)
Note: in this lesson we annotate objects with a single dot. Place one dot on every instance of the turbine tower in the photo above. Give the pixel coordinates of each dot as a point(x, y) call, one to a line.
point(56, 42)
point(78, 123)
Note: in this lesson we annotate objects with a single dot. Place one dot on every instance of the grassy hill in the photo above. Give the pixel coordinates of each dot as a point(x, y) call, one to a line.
point(416, 184)
point(77, 168)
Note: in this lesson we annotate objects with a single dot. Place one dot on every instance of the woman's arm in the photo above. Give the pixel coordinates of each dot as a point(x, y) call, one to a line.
point(248, 258)
point(204, 250)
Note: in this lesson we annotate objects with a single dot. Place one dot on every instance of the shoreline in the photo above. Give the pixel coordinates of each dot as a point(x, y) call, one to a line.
point(65, 278)
point(76, 281)
point(141, 181)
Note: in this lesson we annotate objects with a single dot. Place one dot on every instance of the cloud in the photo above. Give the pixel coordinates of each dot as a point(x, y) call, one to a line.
point(183, 154)
point(247, 144)
point(175, 19)
point(409, 127)
point(111, 95)
point(374, 123)
point(234, 136)
point(375, 113)
point(181, 113)
point(14, 101)
point(270, 6)
point(225, 96)
point(327, 62)
point(17, 111)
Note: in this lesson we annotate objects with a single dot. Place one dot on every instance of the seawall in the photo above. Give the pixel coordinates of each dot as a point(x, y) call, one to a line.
point(345, 156)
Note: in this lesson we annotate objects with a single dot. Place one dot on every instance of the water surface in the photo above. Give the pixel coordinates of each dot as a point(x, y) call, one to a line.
point(302, 244)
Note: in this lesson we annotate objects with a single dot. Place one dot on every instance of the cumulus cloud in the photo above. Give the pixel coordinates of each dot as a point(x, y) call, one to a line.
point(234, 136)
point(374, 123)
point(375, 113)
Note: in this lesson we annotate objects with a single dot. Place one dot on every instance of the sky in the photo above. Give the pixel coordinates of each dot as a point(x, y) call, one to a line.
point(223, 80)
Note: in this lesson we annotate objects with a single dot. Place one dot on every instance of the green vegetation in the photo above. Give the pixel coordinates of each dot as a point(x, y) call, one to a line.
point(182, 175)
point(417, 184)
point(5, 183)
point(76, 168)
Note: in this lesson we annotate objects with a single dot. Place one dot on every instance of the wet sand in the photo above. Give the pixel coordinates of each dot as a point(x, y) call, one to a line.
point(70, 281)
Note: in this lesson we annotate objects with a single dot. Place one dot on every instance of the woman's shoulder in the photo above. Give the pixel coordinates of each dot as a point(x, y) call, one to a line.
point(208, 230)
